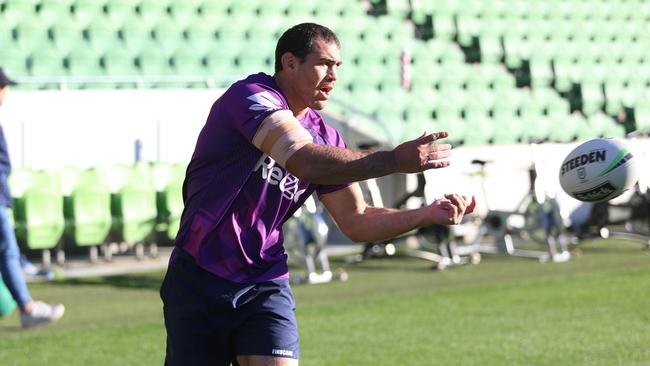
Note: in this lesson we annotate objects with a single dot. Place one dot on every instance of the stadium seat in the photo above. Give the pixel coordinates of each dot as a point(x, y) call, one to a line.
point(133, 203)
point(86, 11)
point(14, 61)
point(15, 11)
point(50, 11)
point(119, 62)
point(46, 62)
point(91, 215)
point(84, 62)
point(592, 96)
point(134, 213)
point(219, 63)
point(43, 223)
point(213, 12)
point(186, 60)
point(151, 11)
point(184, 12)
point(119, 11)
point(136, 35)
point(31, 35)
point(169, 34)
point(102, 34)
point(203, 35)
point(66, 35)
point(152, 61)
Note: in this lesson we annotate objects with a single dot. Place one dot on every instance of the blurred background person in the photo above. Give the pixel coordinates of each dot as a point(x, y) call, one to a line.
point(32, 313)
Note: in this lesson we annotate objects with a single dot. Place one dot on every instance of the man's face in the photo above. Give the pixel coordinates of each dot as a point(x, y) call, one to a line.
point(3, 91)
point(314, 78)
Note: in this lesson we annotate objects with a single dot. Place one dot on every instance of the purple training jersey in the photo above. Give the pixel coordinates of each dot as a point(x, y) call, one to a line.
point(237, 197)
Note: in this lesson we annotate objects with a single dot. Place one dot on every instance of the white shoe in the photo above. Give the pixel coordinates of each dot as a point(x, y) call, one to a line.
point(41, 313)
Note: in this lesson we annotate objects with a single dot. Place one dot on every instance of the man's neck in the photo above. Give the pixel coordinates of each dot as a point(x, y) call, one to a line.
point(298, 108)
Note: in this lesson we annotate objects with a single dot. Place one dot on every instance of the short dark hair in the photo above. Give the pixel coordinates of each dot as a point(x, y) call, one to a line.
point(299, 40)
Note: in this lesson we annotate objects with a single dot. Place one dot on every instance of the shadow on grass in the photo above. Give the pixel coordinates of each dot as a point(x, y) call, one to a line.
point(132, 281)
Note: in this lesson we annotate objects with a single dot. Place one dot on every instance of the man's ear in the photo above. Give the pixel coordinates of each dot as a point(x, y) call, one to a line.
point(289, 61)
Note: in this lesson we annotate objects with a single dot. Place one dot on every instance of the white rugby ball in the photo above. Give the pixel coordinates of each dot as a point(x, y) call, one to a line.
point(599, 170)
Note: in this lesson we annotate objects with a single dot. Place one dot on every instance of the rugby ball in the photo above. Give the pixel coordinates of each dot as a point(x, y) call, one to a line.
point(598, 170)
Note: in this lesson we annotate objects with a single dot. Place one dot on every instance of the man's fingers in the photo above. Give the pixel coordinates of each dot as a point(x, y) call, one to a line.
point(458, 201)
point(471, 206)
point(439, 154)
point(436, 164)
point(439, 147)
point(426, 139)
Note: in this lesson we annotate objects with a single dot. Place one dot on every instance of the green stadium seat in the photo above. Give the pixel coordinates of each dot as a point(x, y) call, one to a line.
point(220, 63)
point(102, 34)
point(478, 131)
point(43, 223)
point(301, 9)
point(234, 28)
point(563, 74)
point(572, 128)
point(243, 8)
point(86, 11)
point(642, 116)
point(604, 126)
point(168, 34)
point(84, 63)
point(186, 60)
point(491, 49)
point(213, 12)
point(31, 35)
point(614, 95)
point(119, 11)
point(153, 62)
point(50, 11)
point(16, 11)
point(134, 213)
point(136, 35)
point(14, 62)
point(66, 35)
point(514, 48)
point(186, 12)
point(444, 27)
point(507, 131)
point(119, 62)
point(468, 27)
point(592, 96)
point(203, 36)
point(273, 8)
point(541, 73)
point(91, 215)
point(151, 11)
point(46, 62)
point(251, 59)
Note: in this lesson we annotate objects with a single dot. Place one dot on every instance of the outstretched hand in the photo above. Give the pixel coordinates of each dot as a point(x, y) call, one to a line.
point(451, 209)
point(422, 154)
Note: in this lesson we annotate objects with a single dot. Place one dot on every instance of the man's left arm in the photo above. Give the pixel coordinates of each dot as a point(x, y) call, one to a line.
point(361, 222)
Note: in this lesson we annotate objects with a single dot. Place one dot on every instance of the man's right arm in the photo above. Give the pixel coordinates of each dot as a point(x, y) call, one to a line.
point(322, 164)
point(283, 138)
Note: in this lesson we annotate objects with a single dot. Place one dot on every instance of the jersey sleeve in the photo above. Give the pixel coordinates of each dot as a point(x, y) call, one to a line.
point(332, 138)
point(249, 104)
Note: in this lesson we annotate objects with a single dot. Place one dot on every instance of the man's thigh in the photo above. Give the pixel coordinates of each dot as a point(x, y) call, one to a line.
point(198, 329)
point(268, 325)
point(265, 361)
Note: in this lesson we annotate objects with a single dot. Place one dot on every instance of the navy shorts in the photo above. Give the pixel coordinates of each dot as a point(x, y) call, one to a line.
point(211, 320)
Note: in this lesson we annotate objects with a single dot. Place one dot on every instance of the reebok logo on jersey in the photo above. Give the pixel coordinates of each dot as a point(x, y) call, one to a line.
point(264, 101)
point(276, 176)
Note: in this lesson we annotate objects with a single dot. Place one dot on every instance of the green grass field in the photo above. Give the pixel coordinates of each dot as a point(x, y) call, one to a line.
point(594, 310)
